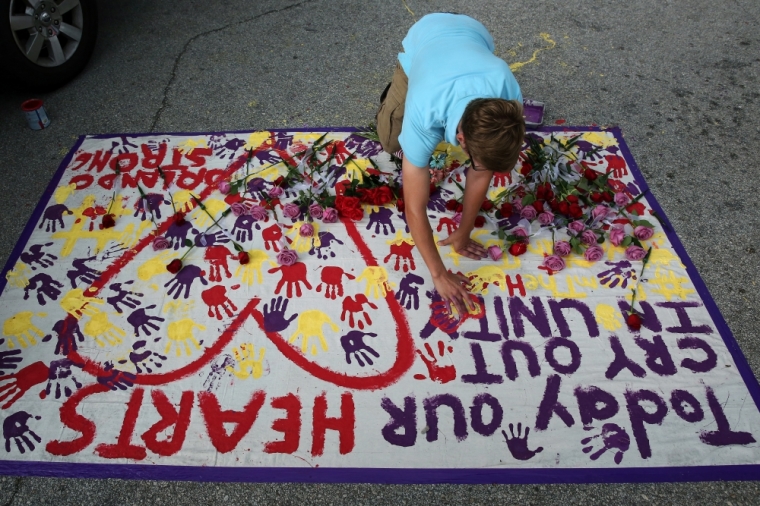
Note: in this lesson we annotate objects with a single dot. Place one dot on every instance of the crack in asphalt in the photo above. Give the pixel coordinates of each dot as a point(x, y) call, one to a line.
point(16, 487)
point(165, 99)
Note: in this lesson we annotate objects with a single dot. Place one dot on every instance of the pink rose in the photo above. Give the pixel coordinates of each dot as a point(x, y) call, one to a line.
point(287, 257)
point(517, 204)
point(593, 253)
point(291, 211)
point(528, 212)
point(258, 213)
point(554, 262)
point(495, 252)
point(275, 192)
point(621, 199)
point(160, 243)
point(239, 209)
point(457, 218)
point(643, 233)
point(588, 237)
point(617, 234)
point(306, 230)
point(315, 211)
point(599, 212)
point(634, 253)
point(576, 227)
point(224, 187)
point(562, 248)
point(520, 232)
point(329, 215)
point(546, 218)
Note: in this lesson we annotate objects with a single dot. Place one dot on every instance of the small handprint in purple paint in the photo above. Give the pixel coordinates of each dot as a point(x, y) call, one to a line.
point(123, 296)
point(256, 186)
point(52, 218)
point(438, 200)
point(218, 372)
point(382, 219)
point(243, 228)
point(143, 322)
point(618, 274)
point(45, 286)
point(208, 239)
point(145, 360)
point(150, 202)
point(177, 234)
point(408, 291)
point(226, 148)
point(325, 250)
point(35, 255)
point(354, 345)
point(274, 315)
point(363, 147)
point(613, 437)
point(68, 335)
point(184, 279)
point(518, 444)
point(60, 373)
point(81, 271)
point(116, 379)
point(15, 429)
point(8, 359)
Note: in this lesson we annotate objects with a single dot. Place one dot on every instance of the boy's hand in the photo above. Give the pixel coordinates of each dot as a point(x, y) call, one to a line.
point(463, 245)
point(451, 289)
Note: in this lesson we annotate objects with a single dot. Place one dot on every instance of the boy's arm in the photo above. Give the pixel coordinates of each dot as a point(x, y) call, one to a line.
point(475, 189)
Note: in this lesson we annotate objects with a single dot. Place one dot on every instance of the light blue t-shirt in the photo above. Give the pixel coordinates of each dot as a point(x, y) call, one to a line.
point(449, 61)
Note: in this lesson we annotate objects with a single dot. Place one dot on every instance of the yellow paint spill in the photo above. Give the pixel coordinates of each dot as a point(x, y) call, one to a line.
point(518, 65)
point(410, 10)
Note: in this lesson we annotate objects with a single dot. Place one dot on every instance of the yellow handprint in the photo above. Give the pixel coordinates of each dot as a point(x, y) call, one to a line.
point(190, 144)
point(181, 335)
point(129, 236)
point(357, 169)
point(77, 304)
point(247, 364)
point(251, 272)
point(310, 325)
point(63, 192)
point(608, 316)
point(155, 266)
point(183, 199)
point(256, 139)
point(300, 243)
point(17, 276)
point(377, 281)
point(21, 327)
point(214, 206)
point(663, 257)
point(101, 327)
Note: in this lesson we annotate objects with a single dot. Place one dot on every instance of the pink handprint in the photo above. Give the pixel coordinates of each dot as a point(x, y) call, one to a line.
point(332, 279)
point(356, 305)
point(216, 298)
point(217, 257)
point(292, 275)
point(436, 372)
point(403, 253)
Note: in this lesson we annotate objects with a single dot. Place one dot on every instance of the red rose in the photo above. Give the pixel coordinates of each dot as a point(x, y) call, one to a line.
point(487, 205)
point(349, 207)
point(506, 210)
point(279, 181)
point(174, 266)
point(366, 194)
point(340, 186)
point(572, 199)
point(538, 206)
point(608, 196)
point(179, 218)
point(480, 221)
point(525, 169)
point(590, 174)
point(243, 258)
point(433, 188)
point(383, 196)
point(400, 205)
point(518, 248)
point(575, 211)
point(108, 221)
point(563, 207)
point(596, 197)
point(633, 321)
point(451, 204)
point(459, 208)
point(554, 205)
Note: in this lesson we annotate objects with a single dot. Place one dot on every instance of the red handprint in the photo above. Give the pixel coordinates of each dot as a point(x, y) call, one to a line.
point(215, 298)
point(403, 251)
point(292, 275)
point(332, 278)
point(13, 386)
point(450, 224)
point(616, 165)
point(502, 178)
point(437, 373)
point(217, 257)
point(355, 305)
point(93, 213)
point(272, 236)
point(441, 316)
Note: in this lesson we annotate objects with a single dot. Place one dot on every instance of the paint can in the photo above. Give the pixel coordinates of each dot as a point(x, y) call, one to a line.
point(35, 113)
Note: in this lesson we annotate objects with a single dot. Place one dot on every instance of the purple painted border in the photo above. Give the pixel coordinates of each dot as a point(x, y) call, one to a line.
point(405, 476)
point(29, 228)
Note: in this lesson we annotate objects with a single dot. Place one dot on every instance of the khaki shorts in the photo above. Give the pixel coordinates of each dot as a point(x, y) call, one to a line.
point(391, 113)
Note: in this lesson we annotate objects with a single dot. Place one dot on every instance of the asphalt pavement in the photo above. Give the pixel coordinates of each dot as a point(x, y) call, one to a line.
point(679, 77)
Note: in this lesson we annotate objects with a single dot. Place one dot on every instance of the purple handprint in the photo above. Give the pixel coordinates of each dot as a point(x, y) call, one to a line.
point(518, 445)
point(363, 147)
point(53, 217)
point(274, 317)
point(227, 149)
point(218, 371)
point(45, 285)
point(243, 228)
point(15, 428)
point(35, 255)
point(438, 200)
point(68, 335)
point(60, 373)
point(353, 344)
point(184, 279)
point(123, 145)
point(267, 157)
point(150, 202)
point(382, 218)
point(8, 360)
point(282, 141)
point(142, 321)
point(325, 248)
point(115, 378)
point(177, 234)
point(613, 437)
point(145, 359)
point(256, 186)
point(618, 274)
point(408, 295)
point(209, 239)
point(82, 270)
point(123, 296)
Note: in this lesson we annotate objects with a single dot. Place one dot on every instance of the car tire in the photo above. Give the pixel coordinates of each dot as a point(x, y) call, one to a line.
point(45, 43)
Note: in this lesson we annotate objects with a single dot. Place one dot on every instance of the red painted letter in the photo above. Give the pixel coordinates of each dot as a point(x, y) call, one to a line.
point(169, 417)
point(290, 425)
point(344, 424)
point(215, 419)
